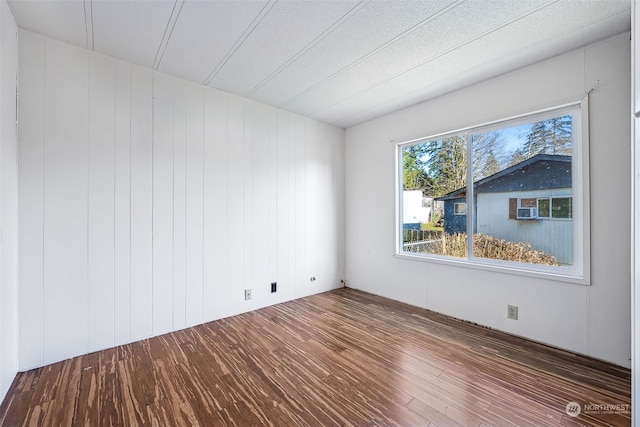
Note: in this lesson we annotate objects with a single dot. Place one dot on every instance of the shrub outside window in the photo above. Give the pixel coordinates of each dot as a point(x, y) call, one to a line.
point(509, 195)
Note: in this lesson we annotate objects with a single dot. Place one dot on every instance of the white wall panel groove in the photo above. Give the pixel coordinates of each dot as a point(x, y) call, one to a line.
point(235, 204)
point(216, 291)
point(246, 190)
point(141, 202)
point(31, 201)
point(65, 200)
point(160, 201)
point(194, 207)
point(179, 202)
point(163, 207)
point(101, 203)
point(259, 237)
point(122, 205)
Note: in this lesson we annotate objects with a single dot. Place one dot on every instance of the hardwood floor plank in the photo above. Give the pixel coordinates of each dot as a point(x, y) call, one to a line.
point(339, 358)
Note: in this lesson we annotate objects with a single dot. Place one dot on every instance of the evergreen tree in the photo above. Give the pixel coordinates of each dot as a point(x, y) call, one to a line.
point(491, 165)
point(414, 169)
point(517, 156)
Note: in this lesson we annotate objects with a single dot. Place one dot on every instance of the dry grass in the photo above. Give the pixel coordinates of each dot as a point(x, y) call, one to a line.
point(491, 247)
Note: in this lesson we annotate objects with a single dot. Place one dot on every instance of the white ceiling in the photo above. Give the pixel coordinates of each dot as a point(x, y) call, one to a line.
point(339, 61)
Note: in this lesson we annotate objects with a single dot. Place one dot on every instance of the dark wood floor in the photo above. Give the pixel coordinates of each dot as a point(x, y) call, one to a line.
point(339, 358)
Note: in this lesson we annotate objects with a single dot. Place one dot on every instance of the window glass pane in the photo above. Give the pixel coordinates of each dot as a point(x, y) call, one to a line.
point(460, 208)
point(529, 162)
point(528, 203)
point(434, 178)
point(561, 207)
point(543, 208)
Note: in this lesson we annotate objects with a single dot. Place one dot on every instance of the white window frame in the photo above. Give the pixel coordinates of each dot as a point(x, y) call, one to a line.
point(538, 207)
point(550, 199)
point(455, 210)
point(579, 271)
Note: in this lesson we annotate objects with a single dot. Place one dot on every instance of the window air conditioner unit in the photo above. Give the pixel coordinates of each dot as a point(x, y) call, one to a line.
point(527, 213)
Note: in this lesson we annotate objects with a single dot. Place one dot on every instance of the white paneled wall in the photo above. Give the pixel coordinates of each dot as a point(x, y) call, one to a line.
point(148, 204)
point(8, 202)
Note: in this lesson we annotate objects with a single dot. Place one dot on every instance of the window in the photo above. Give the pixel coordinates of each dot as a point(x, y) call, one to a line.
point(508, 195)
point(561, 207)
point(460, 208)
point(542, 208)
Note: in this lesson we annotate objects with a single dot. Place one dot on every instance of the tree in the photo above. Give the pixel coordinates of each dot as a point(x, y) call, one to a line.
point(446, 162)
point(491, 165)
point(413, 166)
point(517, 156)
point(552, 136)
point(485, 159)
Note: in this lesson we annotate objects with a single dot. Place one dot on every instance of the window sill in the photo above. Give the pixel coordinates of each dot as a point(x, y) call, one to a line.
point(558, 274)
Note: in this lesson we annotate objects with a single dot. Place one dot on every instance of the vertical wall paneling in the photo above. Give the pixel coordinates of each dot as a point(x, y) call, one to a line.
point(100, 237)
point(215, 205)
point(30, 206)
point(334, 173)
point(292, 169)
point(313, 240)
point(9, 201)
point(260, 204)
point(65, 201)
point(141, 202)
point(194, 206)
point(328, 203)
point(301, 281)
point(235, 200)
point(148, 203)
point(179, 203)
point(285, 213)
point(272, 223)
point(162, 204)
point(122, 204)
point(247, 192)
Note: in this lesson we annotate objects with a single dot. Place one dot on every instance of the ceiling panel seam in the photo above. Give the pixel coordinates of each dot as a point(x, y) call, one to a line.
point(438, 55)
point(168, 31)
point(88, 22)
point(339, 64)
point(240, 41)
point(344, 18)
point(369, 54)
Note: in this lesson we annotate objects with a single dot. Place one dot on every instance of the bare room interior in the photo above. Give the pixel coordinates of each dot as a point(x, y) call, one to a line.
point(314, 212)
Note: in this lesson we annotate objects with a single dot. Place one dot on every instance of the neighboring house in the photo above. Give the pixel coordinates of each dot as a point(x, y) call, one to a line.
point(527, 202)
point(416, 209)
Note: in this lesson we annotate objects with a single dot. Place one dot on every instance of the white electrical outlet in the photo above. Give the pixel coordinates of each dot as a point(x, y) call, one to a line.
point(247, 294)
point(512, 312)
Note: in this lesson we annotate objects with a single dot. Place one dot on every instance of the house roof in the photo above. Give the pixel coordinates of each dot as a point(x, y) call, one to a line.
point(518, 172)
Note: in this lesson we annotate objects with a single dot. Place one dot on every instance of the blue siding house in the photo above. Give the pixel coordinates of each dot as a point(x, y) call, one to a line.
point(455, 222)
point(527, 202)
